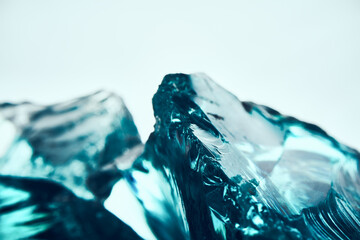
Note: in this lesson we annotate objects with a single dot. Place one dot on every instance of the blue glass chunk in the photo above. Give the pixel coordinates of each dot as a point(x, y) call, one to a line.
point(220, 168)
point(66, 142)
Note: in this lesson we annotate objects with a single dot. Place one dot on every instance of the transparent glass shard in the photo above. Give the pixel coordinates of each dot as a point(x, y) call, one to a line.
point(65, 142)
point(57, 165)
point(214, 168)
point(41, 209)
point(228, 169)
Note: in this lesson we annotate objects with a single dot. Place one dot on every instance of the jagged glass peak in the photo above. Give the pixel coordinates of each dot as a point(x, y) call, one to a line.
point(242, 170)
point(67, 141)
point(214, 168)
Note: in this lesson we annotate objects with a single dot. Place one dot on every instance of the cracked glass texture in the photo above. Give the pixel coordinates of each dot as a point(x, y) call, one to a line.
point(237, 170)
point(215, 167)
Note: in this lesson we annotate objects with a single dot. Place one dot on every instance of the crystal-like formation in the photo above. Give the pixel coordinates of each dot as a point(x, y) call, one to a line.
point(226, 169)
point(58, 162)
point(33, 208)
point(214, 168)
point(67, 142)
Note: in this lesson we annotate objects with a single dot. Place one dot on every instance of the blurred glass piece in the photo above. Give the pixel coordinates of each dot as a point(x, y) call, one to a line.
point(66, 142)
point(41, 209)
point(57, 165)
point(219, 168)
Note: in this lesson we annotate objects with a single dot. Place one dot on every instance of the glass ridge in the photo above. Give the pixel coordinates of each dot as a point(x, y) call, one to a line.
point(214, 167)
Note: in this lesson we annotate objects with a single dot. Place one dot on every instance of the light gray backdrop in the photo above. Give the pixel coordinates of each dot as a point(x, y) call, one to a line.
point(299, 57)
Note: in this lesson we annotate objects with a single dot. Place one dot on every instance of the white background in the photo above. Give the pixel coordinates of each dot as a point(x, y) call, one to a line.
point(299, 57)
